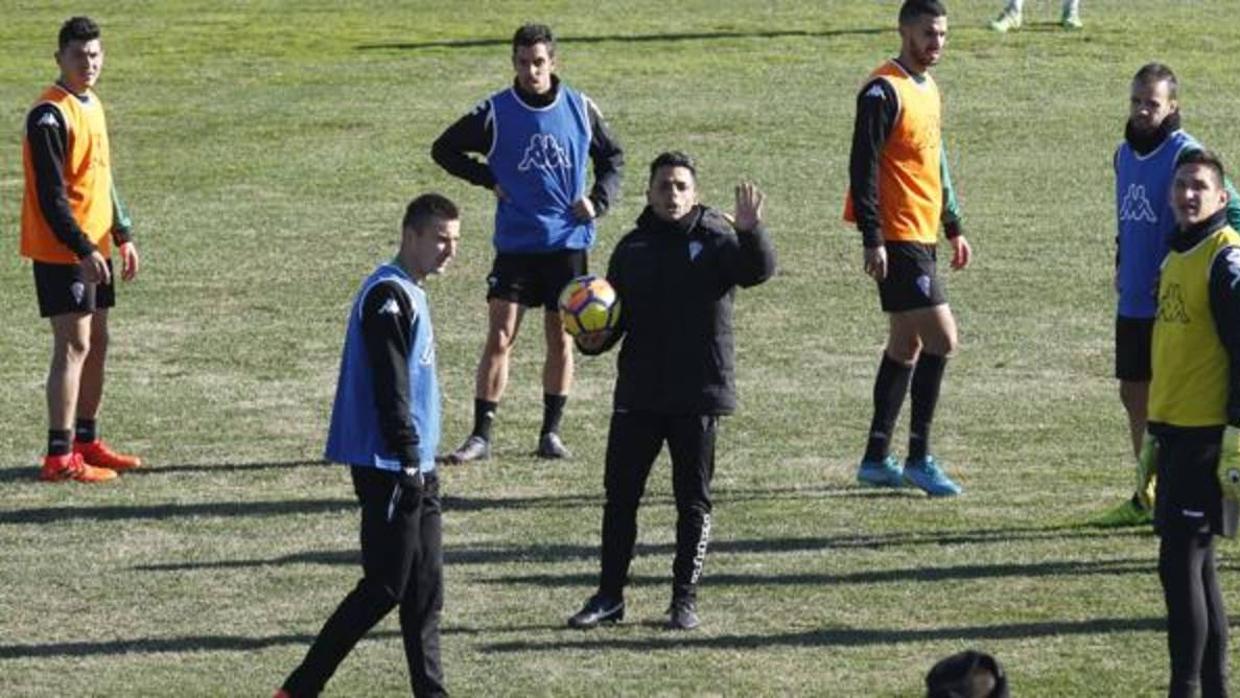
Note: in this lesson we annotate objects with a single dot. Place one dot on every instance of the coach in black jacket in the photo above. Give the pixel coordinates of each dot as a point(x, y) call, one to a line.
point(676, 275)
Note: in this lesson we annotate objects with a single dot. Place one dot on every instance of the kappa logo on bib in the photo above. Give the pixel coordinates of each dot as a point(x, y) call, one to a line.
point(1136, 206)
point(544, 153)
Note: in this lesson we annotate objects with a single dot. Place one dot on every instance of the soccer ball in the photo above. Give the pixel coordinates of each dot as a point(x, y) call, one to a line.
point(589, 304)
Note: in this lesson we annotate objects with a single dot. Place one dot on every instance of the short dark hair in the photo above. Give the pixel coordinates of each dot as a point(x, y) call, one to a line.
point(968, 674)
point(1205, 158)
point(1154, 73)
point(913, 10)
point(428, 207)
point(673, 158)
point(533, 34)
point(77, 29)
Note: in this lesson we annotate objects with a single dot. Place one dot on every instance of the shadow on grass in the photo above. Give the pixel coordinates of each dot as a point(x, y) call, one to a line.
point(850, 637)
point(915, 574)
point(552, 553)
point(31, 474)
point(41, 515)
point(220, 643)
point(228, 467)
point(506, 41)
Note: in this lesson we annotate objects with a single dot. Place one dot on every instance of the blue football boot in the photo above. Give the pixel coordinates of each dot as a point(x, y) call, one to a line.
point(926, 475)
point(884, 473)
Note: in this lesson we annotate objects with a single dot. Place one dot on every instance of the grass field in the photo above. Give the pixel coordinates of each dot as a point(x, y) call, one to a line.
point(267, 149)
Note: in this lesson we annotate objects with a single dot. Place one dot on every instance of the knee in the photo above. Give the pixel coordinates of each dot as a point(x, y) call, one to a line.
point(379, 596)
point(499, 342)
point(944, 345)
point(904, 351)
point(72, 349)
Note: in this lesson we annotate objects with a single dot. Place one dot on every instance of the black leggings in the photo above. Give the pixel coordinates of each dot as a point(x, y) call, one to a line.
point(1196, 620)
point(402, 565)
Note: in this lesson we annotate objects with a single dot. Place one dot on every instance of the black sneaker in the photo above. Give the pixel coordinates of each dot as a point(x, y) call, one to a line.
point(474, 448)
point(599, 609)
point(683, 614)
point(551, 447)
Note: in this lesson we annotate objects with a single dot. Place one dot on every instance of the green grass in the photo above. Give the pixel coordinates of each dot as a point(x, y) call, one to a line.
point(267, 150)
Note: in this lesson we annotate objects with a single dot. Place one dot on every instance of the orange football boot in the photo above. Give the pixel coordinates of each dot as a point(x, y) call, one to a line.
point(98, 454)
point(71, 467)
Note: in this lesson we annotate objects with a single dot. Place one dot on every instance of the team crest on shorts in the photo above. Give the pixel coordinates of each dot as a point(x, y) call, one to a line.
point(923, 284)
point(78, 290)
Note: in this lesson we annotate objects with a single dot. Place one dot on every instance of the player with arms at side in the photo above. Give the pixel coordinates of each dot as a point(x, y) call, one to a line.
point(1144, 168)
point(385, 426)
point(71, 217)
point(1194, 422)
point(900, 192)
point(536, 137)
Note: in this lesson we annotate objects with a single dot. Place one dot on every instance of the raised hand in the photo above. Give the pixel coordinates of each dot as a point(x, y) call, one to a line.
point(749, 201)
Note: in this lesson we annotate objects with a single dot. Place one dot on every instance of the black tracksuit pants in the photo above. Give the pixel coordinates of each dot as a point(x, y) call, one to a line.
point(633, 443)
point(402, 564)
point(1189, 513)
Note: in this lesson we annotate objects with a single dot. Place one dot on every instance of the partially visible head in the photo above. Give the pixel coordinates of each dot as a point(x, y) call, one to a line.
point(969, 674)
point(430, 231)
point(923, 33)
point(79, 53)
point(672, 190)
point(1154, 97)
point(533, 57)
point(1197, 192)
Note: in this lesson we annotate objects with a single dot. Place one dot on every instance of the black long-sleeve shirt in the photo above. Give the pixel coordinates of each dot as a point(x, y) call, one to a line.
point(387, 331)
point(48, 138)
point(878, 107)
point(473, 133)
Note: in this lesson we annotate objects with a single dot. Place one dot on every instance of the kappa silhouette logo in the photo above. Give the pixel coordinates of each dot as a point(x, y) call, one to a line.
point(544, 153)
point(1171, 306)
point(1136, 206)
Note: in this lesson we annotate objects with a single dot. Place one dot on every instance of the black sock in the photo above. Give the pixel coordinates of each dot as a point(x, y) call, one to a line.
point(59, 442)
point(890, 386)
point(85, 431)
point(553, 410)
point(484, 415)
point(927, 379)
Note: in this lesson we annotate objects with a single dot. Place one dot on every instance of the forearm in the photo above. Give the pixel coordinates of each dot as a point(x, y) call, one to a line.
point(951, 206)
point(755, 257)
point(122, 226)
point(451, 151)
point(607, 156)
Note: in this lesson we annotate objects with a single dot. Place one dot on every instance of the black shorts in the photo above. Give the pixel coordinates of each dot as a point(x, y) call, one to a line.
point(911, 281)
point(1134, 338)
point(61, 289)
point(1189, 496)
point(534, 279)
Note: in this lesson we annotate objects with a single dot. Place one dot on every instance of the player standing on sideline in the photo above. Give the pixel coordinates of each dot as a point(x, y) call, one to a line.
point(676, 274)
point(900, 190)
point(71, 216)
point(385, 425)
point(1194, 422)
point(536, 137)
point(1144, 167)
point(1012, 16)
